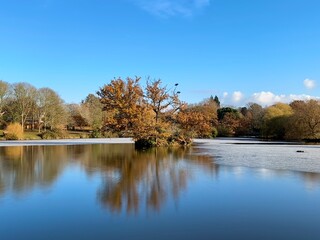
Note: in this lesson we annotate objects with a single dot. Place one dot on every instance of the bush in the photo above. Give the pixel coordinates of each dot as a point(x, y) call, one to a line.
point(96, 134)
point(109, 134)
point(214, 132)
point(14, 131)
point(144, 143)
point(84, 135)
point(49, 135)
point(180, 138)
point(54, 134)
point(224, 132)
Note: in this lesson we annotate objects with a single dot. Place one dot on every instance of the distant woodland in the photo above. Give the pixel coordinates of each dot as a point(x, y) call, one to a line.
point(153, 115)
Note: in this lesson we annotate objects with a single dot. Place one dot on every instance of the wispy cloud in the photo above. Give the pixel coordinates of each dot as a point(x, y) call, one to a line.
point(169, 8)
point(309, 84)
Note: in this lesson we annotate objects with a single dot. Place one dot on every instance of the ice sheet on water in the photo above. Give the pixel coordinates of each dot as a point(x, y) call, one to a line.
point(259, 154)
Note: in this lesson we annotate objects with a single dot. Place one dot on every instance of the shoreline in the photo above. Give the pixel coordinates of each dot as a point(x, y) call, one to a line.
point(8, 143)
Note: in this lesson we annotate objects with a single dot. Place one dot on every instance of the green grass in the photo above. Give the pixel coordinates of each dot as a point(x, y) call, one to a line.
point(77, 134)
point(31, 135)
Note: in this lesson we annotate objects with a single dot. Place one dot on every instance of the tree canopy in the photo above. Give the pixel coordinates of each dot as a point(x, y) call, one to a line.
point(153, 114)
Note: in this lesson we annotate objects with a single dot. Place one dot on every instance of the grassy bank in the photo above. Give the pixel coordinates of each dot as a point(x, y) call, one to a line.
point(34, 135)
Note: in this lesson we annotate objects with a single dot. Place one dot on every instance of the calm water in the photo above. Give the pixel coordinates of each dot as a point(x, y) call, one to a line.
point(220, 189)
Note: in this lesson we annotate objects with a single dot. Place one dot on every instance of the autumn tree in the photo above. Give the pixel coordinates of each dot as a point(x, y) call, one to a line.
point(223, 111)
point(275, 120)
point(75, 117)
point(199, 120)
point(229, 121)
point(256, 113)
point(305, 120)
point(195, 122)
point(147, 116)
point(251, 120)
point(229, 124)
point(123, 101)
point(164, 103)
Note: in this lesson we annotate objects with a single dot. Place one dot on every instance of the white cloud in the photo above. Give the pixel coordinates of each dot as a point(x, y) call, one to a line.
point(168, 8)
point(225, 98)
point(225, 94)
point(269, 98)
point(266, 98)
point(309, 84)
point(237, 96)
point(263, 98)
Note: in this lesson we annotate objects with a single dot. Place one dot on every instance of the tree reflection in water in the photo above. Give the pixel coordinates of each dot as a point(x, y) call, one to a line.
point(146, 178)
point(130, 180)
point(25, 167)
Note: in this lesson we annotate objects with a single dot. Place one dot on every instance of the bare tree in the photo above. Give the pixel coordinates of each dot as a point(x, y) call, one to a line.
point(23, 96)
point(91, 109)
point(50, 110)
point(4, 90)
point(161, 99)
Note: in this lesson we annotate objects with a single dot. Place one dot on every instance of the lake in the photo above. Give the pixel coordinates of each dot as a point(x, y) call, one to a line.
point(218, 189)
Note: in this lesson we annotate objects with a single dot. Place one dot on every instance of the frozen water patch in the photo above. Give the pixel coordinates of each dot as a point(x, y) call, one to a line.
point(259, 154)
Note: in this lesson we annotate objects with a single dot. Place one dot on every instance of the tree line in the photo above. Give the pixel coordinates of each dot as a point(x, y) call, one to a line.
point(154, 115)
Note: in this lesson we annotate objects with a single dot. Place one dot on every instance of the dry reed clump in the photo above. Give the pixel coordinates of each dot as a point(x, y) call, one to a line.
point(14, 131)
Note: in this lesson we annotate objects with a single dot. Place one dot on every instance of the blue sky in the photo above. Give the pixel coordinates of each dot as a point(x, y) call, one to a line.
point(242, 51)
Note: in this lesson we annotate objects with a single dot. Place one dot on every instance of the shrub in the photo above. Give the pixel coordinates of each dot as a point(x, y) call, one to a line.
point(180, 138)
point(14, 131)
point(144, 143)
point(96, 134)
point(224, 132)
point(54, 134)
point(214, 132)
point(49, 135)
point(84, 135)
point(109, 134)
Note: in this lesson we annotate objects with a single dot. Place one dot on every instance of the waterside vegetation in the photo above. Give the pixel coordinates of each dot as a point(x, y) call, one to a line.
point(152, 115)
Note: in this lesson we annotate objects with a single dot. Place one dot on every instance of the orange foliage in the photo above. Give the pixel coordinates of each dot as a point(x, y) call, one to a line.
point(123, 100)
point(143, 116)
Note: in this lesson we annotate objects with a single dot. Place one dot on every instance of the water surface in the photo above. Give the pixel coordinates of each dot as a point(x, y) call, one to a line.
point(215, 190)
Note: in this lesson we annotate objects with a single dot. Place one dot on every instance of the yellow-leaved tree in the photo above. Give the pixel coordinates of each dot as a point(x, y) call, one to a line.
point(275, 120)
point(305, 121)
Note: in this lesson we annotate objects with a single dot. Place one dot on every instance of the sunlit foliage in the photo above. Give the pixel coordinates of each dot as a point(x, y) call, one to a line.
point(153, 114)
point(14, 131)
point(146, 115)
